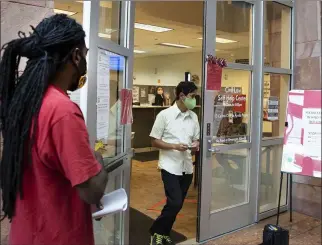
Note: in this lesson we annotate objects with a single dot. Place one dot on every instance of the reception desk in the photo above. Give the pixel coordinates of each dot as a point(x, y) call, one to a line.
point(143, 120)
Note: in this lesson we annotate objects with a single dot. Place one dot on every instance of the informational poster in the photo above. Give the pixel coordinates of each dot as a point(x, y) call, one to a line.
point(136, 94)
point(302, 136)
point(272, 108)
point(103, 93)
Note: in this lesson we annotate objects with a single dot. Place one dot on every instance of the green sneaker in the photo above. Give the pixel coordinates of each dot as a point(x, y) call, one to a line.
point(157, 239)
point(168, 240)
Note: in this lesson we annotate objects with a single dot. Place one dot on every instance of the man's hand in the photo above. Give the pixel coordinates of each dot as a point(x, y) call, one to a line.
point(195, 146)
point(99, 157)
point(181, 147)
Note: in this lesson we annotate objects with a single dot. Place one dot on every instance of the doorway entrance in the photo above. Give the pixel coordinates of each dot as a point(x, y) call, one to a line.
point(167, 50)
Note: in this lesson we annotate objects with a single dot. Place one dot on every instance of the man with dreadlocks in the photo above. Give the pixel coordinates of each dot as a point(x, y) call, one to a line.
point(49, 174)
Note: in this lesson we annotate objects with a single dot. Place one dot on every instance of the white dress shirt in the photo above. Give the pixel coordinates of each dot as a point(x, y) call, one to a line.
point(175, 127)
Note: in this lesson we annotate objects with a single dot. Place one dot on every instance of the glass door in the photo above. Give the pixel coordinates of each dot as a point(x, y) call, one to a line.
point(109, 35)
point(230, 157)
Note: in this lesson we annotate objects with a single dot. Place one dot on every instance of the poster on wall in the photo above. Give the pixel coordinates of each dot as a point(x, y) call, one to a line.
point(103, 94)
point(302, 136)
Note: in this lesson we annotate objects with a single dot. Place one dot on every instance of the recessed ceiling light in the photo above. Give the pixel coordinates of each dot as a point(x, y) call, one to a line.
point(60, 11)
point(139, 51)
point(104, 35)
point(151, 28)
point(174, 45)
point(221, 40)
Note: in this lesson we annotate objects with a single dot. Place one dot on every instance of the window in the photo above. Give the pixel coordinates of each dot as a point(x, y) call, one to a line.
point(276, 87)
point(277, 35)
point(234, 31)
point(232, 108)
point(110, 80)
point(109, 20)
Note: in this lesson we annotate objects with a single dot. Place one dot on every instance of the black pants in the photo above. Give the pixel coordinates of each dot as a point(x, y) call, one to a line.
point(176, 188)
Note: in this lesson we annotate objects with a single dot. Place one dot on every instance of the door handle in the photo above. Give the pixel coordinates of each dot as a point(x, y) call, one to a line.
point(214, 150)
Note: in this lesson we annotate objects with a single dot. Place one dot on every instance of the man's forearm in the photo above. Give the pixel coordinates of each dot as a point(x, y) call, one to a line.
point(160, 144)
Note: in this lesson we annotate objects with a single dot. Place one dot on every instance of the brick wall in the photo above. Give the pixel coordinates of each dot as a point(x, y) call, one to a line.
point(307, 191)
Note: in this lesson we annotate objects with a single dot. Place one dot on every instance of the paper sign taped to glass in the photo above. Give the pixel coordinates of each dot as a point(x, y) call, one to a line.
point(214, 72)
point(112, 203)
point(302, 136)
point(126, 101)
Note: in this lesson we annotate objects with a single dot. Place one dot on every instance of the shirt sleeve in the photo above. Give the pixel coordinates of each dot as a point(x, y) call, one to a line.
point(73, 154)
point(158, 127)
point(196, 135)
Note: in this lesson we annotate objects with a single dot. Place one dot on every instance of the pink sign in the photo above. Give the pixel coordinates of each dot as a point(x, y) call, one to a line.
point(126, 100)
point(214, 72)
point(302, 136)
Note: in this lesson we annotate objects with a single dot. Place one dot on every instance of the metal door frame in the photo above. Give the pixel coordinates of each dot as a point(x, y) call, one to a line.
point(88, 94)
point(207, 220)
point(257, 68)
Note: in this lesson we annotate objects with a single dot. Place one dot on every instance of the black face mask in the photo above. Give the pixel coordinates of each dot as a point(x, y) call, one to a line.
point(81, 76)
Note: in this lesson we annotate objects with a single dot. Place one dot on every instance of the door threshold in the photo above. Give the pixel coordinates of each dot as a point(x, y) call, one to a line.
point(189, 242)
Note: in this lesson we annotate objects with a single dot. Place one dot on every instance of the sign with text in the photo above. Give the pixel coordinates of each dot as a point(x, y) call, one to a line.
point(214, 73)
point(302, 137)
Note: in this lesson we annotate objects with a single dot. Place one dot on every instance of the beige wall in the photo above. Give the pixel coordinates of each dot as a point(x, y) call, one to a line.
point(307, 191)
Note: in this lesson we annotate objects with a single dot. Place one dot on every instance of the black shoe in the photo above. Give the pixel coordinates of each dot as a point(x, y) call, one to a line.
point(157, 239)
point(168, 240)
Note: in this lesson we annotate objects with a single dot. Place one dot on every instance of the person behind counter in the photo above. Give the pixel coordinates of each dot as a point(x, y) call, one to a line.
point(49, 174)
point(159, 98)
point(176, 133)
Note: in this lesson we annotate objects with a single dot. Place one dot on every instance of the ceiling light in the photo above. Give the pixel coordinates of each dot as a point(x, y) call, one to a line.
point(79, 1)
point(151, 28)
point(221, 40)
point(104, 35)
point(139, 51)
point(174, 45)
point(60, 11)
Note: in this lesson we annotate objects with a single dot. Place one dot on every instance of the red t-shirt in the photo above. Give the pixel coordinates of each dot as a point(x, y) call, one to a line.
point(51, 211)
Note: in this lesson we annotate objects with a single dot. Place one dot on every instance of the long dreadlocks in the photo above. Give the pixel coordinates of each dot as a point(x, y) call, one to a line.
point(47, 48)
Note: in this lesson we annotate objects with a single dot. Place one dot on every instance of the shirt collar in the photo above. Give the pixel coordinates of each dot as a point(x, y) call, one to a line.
point(177, 111)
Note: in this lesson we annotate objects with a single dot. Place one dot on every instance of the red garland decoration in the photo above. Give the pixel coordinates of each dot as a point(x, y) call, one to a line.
point(216, 61)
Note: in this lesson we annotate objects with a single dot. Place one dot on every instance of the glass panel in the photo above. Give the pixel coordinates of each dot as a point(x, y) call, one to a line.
point(108, 231)
point(270, 178)
point(276, 88)
point(110, 80)
point(277, 35)
point(230, 179)
point(109, 20)
point(232, 108)
point(234, 31)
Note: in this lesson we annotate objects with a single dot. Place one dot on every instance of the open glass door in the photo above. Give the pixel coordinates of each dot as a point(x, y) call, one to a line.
point(229, 171)
point(109, 35)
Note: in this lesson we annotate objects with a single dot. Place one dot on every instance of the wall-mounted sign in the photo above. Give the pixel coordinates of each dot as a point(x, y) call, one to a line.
point(302, 137)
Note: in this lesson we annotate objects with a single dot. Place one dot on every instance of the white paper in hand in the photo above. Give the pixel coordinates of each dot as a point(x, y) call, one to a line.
point(112, 203)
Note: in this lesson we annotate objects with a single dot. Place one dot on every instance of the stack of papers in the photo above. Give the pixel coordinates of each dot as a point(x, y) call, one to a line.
point(114, 202)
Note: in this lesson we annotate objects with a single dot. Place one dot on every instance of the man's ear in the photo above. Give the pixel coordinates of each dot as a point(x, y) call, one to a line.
point(76, 56)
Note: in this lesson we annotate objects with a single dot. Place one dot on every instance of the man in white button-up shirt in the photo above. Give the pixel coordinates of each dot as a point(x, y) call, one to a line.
point(176, 133)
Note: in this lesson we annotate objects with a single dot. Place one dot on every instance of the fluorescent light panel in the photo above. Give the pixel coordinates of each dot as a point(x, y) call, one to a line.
point(139, 51)
point(221, 40)
point(60, 11)
point(151, 28)
point(174, 45)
